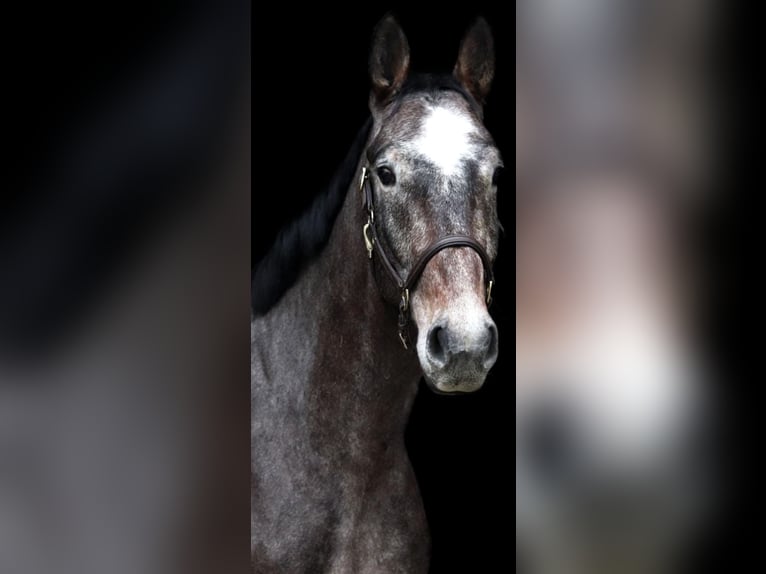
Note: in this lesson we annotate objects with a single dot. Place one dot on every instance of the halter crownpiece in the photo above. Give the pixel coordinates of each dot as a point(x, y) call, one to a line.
point(404, 284)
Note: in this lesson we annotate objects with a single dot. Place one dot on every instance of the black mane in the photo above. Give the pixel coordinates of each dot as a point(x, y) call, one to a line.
point(304, 238)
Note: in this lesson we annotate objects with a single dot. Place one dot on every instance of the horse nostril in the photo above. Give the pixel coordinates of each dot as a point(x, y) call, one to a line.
point(438, 344)
point(445, 346)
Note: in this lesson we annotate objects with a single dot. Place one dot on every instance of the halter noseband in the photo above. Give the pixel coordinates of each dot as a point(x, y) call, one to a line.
point(404, 284)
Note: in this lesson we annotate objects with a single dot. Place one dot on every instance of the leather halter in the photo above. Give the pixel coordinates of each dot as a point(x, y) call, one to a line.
point(406, 282)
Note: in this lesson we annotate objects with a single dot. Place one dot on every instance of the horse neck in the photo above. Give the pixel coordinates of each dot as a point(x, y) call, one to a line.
point(362, 382)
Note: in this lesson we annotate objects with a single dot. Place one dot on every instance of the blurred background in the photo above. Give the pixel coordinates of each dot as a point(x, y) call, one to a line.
point(633, 176)
point(124, 290)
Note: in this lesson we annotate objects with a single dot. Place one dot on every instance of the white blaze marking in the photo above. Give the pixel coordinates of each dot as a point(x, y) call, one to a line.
point(445, 140)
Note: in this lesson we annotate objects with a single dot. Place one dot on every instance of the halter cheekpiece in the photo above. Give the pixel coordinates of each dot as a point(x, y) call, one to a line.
point(404, 284)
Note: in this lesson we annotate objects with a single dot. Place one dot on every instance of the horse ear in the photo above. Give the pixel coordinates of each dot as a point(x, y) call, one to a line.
point(475, 65)
point(389, 59)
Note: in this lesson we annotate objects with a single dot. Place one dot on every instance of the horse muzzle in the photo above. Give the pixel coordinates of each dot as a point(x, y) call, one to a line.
point(456, 355)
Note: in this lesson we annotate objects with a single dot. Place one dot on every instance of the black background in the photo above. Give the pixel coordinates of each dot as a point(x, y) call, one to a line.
point(310, 99)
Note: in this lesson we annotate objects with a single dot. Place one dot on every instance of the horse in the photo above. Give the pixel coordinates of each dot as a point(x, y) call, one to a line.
point(385, 279)
point(613, 401)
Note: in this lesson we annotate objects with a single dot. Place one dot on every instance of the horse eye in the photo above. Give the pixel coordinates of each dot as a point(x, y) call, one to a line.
point(386, 176)
point(497, 176)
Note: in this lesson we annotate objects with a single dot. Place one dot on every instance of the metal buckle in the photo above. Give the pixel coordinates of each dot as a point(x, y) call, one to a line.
point(489, 292)
point(361, 179)
point(404, 303)
point(368, 242)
